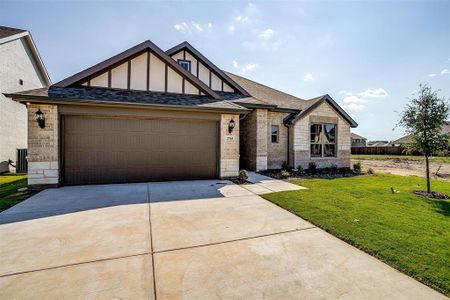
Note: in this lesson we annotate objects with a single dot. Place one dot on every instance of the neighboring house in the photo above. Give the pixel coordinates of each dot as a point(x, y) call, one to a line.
point(146, 114)
point(408, 138)
point(378, 144)
point(358, 141)
point(21, 69)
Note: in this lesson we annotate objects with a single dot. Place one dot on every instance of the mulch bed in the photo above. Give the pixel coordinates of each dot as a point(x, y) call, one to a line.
point(318, 173)
point(434, 195)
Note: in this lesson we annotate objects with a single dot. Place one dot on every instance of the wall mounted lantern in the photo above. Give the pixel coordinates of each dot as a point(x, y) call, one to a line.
point(40, 118)
point(231, 126)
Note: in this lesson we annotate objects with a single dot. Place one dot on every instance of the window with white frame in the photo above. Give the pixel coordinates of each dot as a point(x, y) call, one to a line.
point(185, 64)
point(323, 140)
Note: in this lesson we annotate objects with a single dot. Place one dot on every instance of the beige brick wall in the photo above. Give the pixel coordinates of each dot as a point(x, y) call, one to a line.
point(43, 167)
point(301, 138)
point(277, 153)
point(229, 147)
point(254, 140)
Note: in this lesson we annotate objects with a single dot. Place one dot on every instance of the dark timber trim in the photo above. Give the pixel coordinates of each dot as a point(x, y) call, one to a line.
point(129, 75)
point(109, 78)
point(128, 55)
point(148, 70)
point(166, 77)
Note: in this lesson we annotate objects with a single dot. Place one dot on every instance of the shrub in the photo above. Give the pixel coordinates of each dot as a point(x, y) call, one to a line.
point(284, 174)
point(243, 175)
point(357, 167)
point(300, 170)
point(342, 170)
point(333, 168)
point(312, 166)
point(370, 171)
point(284, 165)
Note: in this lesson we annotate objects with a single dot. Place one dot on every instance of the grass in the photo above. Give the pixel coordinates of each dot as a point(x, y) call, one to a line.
point(9, 196)
point(407, 231)
point(438, 159)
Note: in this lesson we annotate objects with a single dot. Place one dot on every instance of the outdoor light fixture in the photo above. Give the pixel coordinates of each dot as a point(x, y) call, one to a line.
point(231, 125)
point(39, 117)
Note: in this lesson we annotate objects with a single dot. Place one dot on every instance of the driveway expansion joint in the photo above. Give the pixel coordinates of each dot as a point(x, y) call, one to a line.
point(234, 240)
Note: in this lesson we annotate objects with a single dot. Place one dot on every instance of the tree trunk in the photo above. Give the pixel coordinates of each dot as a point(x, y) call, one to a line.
point(427, 167)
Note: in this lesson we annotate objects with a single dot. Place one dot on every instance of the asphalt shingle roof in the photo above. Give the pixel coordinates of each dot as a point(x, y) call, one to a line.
point(130, 96)
point(8, 31)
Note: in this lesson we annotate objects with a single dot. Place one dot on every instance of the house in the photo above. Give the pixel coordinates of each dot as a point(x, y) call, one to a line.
point(408, 138)
point(21, 68)
point(378, 144)
point(357, 140)
point(148, 114)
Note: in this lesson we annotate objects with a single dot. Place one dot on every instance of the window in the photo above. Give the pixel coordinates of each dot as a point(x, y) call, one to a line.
point(185, 64)
point(323, 140)
point(275, 133)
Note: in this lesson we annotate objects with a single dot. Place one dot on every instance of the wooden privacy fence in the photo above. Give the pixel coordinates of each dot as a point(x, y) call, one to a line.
point(389, 150)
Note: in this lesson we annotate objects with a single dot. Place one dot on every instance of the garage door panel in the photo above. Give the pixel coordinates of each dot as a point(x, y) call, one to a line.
point(115, 150)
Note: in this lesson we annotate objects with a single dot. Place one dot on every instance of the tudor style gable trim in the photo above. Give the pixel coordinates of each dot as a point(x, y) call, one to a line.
point(102, 72)
point(185, 46)
point(316, 102)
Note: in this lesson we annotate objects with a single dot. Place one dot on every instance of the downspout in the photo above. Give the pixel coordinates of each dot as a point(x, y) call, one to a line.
point(288, 139)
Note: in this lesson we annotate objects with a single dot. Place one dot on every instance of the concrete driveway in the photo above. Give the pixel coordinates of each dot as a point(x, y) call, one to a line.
point(194, 240)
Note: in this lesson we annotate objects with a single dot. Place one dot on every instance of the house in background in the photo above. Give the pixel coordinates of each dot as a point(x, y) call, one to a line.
point(148, 114)
point(407, 138)
point(358, 141)
point(21, 68)
point(378, 144)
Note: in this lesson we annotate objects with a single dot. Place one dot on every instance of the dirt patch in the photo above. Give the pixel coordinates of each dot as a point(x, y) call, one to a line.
point(438, 171)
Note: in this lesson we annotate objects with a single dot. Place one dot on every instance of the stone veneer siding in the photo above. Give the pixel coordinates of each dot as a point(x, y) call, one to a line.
point(43, 148)
point(229, 147)
point(301, 140)
point(254, 140)
point(277, 153)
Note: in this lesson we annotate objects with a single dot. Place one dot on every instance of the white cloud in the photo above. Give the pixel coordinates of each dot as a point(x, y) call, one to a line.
point(235, 64)
point(308, 77)
point(197, 26)
point(445, 72)
point(267, 34)
point(432, 75)
point(249, 68)
point(354, 106)
point(182, 27)
point(189, 28)
point(242, 19)
point(376, 93)
point(354, 99)
point(231, 28)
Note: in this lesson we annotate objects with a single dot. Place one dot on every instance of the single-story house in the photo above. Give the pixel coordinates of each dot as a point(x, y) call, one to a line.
point(21, 69)
point(358, 141)
point(378, 144)
point(148, 114)
point(408, 138)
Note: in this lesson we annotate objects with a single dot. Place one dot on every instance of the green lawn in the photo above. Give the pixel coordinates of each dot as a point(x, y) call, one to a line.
point(409, 232)
point(439, 159)
point(9, 196)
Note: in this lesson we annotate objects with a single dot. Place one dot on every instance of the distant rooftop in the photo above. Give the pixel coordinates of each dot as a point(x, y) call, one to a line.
point(8, 31)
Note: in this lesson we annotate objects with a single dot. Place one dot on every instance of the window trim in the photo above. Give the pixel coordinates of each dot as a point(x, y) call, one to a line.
point(185, 61)
point(277, 135)
point(322, 144)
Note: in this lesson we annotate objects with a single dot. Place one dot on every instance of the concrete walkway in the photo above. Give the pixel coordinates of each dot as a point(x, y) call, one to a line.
point(193, 240)
point(261, 184)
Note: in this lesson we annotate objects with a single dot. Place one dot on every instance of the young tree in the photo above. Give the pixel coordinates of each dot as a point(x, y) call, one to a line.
point(423, 117)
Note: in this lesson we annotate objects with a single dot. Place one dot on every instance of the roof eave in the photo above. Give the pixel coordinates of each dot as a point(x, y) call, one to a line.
point(21, 98)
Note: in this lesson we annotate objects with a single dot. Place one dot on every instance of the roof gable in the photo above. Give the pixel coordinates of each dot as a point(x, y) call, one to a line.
point(214, 70)
point(316, 102)
point(9, 31)
point(118, 69)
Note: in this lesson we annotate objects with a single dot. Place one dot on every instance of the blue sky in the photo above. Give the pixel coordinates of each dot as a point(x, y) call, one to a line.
point(369, 56)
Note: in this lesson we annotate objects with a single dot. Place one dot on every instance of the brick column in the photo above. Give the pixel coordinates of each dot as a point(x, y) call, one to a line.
point(43, 143)
point(261, 139)
point(229, 147)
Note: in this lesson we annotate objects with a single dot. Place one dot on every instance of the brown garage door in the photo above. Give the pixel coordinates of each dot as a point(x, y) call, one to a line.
point(115, 150)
